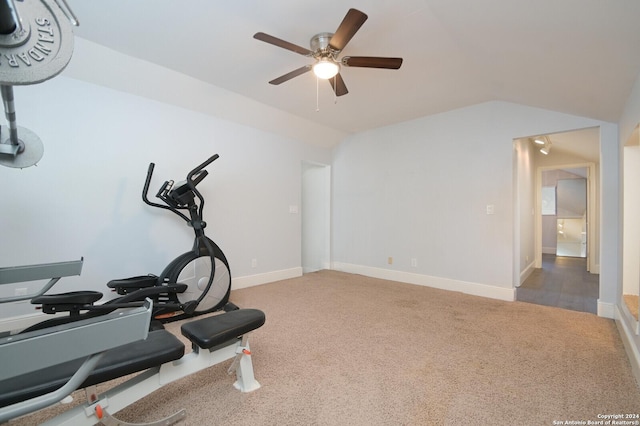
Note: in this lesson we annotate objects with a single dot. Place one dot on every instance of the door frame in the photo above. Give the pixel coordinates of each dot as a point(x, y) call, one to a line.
point(315, 222)
point(592, 218)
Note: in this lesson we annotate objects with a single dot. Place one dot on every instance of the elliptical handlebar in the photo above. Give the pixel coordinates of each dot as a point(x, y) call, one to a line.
point(199, 174)
point(145, 191)
point(200, 168)
point(194, 177)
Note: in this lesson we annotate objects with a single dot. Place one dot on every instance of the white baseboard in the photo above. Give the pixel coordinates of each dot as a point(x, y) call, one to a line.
point(527, 271)
point(606, 310)
point(267, 277)
point(475, 289)
point(631, 342)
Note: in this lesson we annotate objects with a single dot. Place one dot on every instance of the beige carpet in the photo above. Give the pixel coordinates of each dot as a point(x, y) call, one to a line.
point(341, 349)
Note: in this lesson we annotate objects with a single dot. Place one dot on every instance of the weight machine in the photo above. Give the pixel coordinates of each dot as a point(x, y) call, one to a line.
point(43, 365)
point(36, 44)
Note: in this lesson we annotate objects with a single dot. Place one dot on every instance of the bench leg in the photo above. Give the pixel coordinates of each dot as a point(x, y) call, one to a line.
point(243, 366)
point(108, 420)
point(98, 408)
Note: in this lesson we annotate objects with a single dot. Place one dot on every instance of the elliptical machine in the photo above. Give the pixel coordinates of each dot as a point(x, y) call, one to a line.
point(196, 282)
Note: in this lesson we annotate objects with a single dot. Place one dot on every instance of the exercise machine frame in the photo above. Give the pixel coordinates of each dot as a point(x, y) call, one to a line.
point(204, 269)
point(31, 362)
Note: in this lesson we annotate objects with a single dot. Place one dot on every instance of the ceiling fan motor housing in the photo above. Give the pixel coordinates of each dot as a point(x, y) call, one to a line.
point(320, 45)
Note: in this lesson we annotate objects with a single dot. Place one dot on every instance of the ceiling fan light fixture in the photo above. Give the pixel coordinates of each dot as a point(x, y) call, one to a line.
point(539, 141)
point(325, 68)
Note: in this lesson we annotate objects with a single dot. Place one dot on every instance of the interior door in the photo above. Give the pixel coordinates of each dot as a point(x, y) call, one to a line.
point(571, 205)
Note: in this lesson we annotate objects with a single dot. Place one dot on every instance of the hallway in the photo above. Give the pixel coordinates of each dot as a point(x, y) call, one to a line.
point(562, 282)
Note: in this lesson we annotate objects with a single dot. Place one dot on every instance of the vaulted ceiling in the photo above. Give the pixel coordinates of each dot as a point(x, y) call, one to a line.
point(574, 56)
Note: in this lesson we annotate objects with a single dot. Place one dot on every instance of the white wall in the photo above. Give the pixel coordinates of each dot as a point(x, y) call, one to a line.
point(629, 327)
point(99, 65)
point(83, 198)
point(610, 221)
point(420, 190)
point(631, 237)
point(524, 205)
point(631, 114)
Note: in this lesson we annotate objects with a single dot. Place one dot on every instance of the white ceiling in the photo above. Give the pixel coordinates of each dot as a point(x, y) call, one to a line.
point(574, 56)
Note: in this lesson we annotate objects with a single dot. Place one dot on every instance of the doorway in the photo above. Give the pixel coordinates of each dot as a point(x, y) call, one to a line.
point(556, 260)
point(315, 217)
point(564, 212)
point(569, 228)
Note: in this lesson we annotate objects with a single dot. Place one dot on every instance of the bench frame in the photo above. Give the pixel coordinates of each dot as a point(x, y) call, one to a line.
point(28, 352)
point(125, 394)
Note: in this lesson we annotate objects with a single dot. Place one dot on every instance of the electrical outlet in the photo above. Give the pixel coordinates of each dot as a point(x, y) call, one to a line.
point(254, 263)
point(414, 262)
point(390, 260)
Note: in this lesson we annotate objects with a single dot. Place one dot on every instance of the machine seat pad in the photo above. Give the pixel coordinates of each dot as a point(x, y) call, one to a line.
point(218, 329)
point(70, 298)
point(160, 347)
point(134, 282)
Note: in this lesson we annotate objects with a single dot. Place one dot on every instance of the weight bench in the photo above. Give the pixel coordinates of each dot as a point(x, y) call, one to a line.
point(160, 358)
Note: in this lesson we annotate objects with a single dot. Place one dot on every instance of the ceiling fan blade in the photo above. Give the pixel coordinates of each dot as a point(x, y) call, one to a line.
point(337, 83)
point(372, 62)
point(281, 43)
point(351, 23)
point(290, 75)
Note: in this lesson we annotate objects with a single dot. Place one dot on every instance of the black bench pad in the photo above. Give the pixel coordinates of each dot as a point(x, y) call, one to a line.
point(218, 329)
point(70, 298)
point(160, 347)
point(134, 282)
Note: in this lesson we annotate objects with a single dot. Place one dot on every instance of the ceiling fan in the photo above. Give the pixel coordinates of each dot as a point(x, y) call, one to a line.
point(325, 48)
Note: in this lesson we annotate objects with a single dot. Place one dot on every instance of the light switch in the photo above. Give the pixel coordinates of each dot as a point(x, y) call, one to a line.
point(491, 209)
